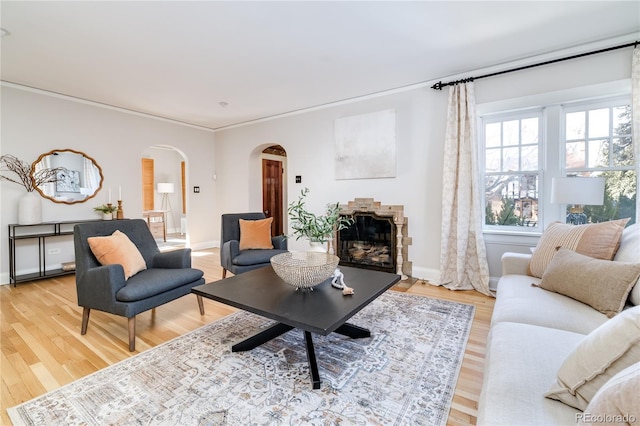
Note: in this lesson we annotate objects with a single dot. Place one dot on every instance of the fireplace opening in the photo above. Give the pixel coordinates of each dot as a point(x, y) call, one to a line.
point(369, 242)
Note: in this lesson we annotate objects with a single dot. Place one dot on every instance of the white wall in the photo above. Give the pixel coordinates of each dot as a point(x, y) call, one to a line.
point(33, 123)
point(421, 113)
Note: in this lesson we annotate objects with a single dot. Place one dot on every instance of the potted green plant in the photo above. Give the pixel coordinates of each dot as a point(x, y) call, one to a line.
point(106, 210)
point(316, 228)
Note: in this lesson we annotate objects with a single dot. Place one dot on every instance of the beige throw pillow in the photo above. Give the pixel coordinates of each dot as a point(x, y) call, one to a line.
point(118, 249)
point(255, 234)
point(617, 402)
point(598, 240)
point(602, 284)
point(606, 351)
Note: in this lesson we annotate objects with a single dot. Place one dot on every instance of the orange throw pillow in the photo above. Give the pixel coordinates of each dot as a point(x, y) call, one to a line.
point(255, 234)
point(118, 249)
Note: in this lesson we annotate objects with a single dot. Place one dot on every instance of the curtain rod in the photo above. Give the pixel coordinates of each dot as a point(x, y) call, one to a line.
point(439, 85)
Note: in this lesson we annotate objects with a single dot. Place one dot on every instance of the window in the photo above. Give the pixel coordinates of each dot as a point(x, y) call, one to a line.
point(522, 150)
point(512, 169)
point(597, 142)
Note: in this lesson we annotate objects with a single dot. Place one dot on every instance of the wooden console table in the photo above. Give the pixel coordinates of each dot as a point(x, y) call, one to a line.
point(156, 219)
point(40, 232)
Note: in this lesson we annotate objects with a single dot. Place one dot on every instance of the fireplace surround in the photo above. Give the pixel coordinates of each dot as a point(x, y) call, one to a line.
point(378, 239)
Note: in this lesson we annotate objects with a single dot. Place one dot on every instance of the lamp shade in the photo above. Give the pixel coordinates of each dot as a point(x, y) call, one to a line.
point(165, 188)
point(577, 190)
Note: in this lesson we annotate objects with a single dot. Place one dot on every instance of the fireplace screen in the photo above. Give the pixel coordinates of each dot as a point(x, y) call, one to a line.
point(368, 243)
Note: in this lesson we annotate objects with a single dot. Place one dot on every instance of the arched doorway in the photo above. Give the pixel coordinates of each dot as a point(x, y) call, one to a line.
point(273, 187)
point(164, 182)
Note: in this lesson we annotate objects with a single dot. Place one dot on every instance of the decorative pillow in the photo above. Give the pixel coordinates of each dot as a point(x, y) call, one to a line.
point(598, 240)
point(602, 284)
point(118, 249)
point(602, 354)
point(630, 252)
point(617, 401)
point(255, 234)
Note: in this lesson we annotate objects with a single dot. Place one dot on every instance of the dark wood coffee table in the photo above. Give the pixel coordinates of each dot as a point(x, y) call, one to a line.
point(323, 310)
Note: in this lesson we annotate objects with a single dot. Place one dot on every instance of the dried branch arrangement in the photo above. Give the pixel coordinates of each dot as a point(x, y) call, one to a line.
point(10, 163)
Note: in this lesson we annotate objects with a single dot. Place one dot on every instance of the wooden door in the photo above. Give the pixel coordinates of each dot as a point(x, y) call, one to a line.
point(272, 193)
point(148, 202)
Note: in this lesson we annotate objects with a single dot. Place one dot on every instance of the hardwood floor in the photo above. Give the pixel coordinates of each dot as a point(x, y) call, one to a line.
point(42, 348)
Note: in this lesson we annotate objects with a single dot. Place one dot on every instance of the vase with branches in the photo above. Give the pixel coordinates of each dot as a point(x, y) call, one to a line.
point(30, 181)
point(29, 205)
point(317, 228)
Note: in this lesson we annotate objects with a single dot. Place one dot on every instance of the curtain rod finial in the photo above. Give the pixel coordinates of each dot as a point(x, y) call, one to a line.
point(438, 86)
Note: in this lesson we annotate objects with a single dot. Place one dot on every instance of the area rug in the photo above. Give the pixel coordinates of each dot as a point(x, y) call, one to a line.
point(405, 373)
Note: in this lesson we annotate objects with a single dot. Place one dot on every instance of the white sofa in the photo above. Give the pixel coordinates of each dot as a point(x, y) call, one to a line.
point(532, 332)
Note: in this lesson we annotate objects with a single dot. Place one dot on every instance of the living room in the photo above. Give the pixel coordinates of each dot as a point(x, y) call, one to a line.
point(224, 161)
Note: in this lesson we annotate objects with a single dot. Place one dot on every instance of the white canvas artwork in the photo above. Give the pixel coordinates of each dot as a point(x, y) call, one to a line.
point(366, 145)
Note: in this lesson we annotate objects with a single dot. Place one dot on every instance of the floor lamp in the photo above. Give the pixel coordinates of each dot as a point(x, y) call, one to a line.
point(165, 189)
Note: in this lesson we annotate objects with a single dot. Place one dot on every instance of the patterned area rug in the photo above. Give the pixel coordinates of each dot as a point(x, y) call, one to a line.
point(404, 374)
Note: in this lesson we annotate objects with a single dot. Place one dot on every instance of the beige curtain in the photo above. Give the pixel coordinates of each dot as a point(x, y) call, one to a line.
point(463, 260)
point(635, 119)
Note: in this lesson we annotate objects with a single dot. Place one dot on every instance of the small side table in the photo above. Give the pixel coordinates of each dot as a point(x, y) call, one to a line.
point(156, 220)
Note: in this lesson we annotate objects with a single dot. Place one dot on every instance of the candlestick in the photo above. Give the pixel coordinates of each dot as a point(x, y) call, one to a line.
point(119, 193)
point(109, 201)
point(120, 214)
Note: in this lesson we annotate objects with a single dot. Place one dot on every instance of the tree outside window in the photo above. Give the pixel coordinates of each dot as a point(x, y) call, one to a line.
point(598, 142)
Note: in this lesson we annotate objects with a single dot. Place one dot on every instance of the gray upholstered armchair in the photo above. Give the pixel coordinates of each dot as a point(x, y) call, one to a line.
point(238, 261)
point(168, 275)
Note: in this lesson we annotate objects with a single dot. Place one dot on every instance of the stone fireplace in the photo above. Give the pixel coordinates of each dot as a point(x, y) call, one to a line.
point(377, 239)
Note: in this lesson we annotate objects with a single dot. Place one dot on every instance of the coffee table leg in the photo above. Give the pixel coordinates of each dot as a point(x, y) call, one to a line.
point(261, 337)
point(353, 331)
point(311, 357)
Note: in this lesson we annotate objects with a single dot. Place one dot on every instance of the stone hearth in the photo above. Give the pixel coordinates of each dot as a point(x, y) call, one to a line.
point(378, 239)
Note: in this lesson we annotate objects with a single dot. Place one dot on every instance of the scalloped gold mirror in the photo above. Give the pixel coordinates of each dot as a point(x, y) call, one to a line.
point(80, 180)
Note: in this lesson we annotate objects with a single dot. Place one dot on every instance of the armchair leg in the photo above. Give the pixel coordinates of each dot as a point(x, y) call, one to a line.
point(85, 320)
point(224, 273)
point(132, 334)
point(200, 304)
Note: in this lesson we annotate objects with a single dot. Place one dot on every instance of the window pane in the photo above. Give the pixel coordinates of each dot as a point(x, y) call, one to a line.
point(575, 125)
point(619, 198)
point(530, 131)
point(599, 123)
point(575, 155)
point(622, 120)
point(598, 153)
point(511, 200)
point(492, 160)
point(511, 132)
point(492, 135)
point(530, 158)
point(510, 159)
point(622, 152)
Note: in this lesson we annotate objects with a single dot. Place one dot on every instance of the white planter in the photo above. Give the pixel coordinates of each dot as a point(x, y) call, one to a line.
point(30, 209)
point(317, 246)
point(107, 216)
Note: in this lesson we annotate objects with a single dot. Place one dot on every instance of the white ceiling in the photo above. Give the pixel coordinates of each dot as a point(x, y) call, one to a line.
point(180, 60)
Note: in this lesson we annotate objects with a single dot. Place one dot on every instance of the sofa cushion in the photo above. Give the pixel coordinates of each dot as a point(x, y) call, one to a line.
point(519, 301)
point(118, 249)
point(617, 400)
point(606, 351)
point(150, 282)
point(521, 363)
point(255, 234)
point(601, 284)
point(629, 251)
point(597, 240)
point(254, 257)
